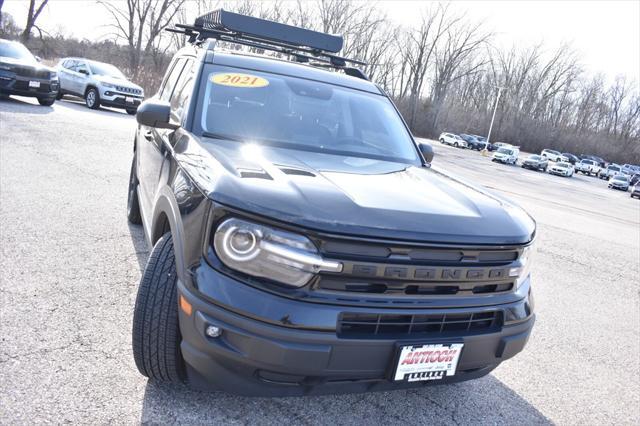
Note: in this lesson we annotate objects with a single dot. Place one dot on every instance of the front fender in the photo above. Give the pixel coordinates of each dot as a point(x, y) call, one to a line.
point(167, 214)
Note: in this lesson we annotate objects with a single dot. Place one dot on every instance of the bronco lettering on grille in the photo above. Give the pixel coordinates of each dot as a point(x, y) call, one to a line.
point(418, 273)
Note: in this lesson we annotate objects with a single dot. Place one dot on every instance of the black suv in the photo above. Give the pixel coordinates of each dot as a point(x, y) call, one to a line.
point(301, 241)
point(21, 74)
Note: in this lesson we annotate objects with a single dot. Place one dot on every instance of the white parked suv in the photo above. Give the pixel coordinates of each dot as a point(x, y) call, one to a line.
point(453, 140)
point(587, 167)
point(506, 155)
point(552, 155)
point(610, 171)
point(99, 84)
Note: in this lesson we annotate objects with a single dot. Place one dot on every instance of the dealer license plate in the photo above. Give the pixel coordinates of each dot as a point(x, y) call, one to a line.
point(427, 362)
point(129, 99)
point(34, 84)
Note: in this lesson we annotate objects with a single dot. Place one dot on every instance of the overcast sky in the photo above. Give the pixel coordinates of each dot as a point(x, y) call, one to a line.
point(605, 33)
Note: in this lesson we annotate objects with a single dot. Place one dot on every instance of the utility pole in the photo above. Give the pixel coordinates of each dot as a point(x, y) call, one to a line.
point(495, 108)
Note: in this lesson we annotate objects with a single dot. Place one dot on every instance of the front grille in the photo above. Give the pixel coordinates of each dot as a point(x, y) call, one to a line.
point(409, 273)
point(408, 288)
point(131, 90)
point(392, 326)
point(31, 72)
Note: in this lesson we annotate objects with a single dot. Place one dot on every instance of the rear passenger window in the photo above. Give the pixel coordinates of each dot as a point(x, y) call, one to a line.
point(171, 80)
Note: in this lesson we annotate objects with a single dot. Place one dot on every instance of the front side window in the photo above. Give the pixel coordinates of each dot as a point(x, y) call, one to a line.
point(182, 92)
point(171, 80)
point(295, 113)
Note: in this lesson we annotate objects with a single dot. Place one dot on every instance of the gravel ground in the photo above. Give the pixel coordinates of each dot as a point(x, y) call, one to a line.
point(71, 265)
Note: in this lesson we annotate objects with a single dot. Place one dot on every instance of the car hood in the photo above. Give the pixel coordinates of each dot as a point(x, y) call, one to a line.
point(22, 63)
point(351, 195)
point(116, 81)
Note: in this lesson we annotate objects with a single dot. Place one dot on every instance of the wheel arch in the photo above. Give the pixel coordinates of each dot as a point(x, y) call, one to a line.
point(166, 218)
point(90, 86)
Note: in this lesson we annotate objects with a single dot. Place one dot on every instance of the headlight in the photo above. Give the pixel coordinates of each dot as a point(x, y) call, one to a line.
point(264, 252)
point(53, 76)
point(108, 85)
point(522, 272)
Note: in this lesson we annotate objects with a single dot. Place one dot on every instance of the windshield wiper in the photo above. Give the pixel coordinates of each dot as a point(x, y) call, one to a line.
point(221, 136)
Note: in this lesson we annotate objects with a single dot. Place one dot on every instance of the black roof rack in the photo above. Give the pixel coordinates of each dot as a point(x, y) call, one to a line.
point(302, 44)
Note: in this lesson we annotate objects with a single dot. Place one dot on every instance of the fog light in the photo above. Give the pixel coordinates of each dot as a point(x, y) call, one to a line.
point(213, 331)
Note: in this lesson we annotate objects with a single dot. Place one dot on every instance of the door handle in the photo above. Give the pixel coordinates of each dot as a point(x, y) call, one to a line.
point(148, 135)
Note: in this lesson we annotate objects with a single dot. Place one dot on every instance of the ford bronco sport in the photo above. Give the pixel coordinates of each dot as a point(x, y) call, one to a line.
point(302, 243)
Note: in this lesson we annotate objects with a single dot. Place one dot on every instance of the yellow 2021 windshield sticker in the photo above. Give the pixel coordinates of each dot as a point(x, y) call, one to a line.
point(239, 80)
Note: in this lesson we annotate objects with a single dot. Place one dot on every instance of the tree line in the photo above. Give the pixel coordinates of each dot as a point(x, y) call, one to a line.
point(443, 73)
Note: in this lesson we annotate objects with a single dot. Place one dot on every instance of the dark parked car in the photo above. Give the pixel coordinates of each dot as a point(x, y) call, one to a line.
point(571, 158)
point(275, 268)
point(489, 145)
point(473, 142)
point(21, 74)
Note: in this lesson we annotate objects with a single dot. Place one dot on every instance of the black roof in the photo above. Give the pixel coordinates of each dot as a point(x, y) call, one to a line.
point(279, 66)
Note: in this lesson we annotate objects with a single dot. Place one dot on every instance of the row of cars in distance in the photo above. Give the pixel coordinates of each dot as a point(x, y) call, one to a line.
point(553, 162)
point(465, 141)
point(98, 83)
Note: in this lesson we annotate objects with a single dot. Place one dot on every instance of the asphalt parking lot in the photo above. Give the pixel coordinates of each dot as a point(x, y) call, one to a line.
point(71, 264)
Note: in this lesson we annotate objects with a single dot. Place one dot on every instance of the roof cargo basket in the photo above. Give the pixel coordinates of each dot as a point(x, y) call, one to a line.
point(268, 30)
point(301, 44)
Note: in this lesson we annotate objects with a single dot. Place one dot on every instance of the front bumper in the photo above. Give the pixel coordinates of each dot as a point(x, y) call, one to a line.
point(19, 86)
point(532, 166)
point(620, 187)
point(114, 99)
point(272, 345)
point(559, 172)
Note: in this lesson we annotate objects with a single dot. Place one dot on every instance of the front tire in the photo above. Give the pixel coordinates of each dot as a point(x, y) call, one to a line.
point(59, 96)
point(46, 101)
point(92, 98)
point(131, 111)
point(156, 333)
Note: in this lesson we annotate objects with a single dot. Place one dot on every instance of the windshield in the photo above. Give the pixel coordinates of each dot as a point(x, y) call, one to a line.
point(535, 157)
point(562, 165)
point(620, 177)
point(107, 70)
point(505, 151)
point(16, 51)
point(588, 162)
point(614, 168)
point(302, 114)
point(549, 151)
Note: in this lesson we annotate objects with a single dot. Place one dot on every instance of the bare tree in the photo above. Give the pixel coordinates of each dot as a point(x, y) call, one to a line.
point(32, 15)
point(418, 51)
point(140, 24)
point(456, 59)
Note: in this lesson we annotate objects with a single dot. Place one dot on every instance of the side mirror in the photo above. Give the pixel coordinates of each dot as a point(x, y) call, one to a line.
point(427, 152)
point(155, 113)
point(38, 58)
point(83, 71)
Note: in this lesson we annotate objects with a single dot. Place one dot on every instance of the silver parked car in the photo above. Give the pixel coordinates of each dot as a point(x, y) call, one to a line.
point(619, 182)
point(99, 84)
